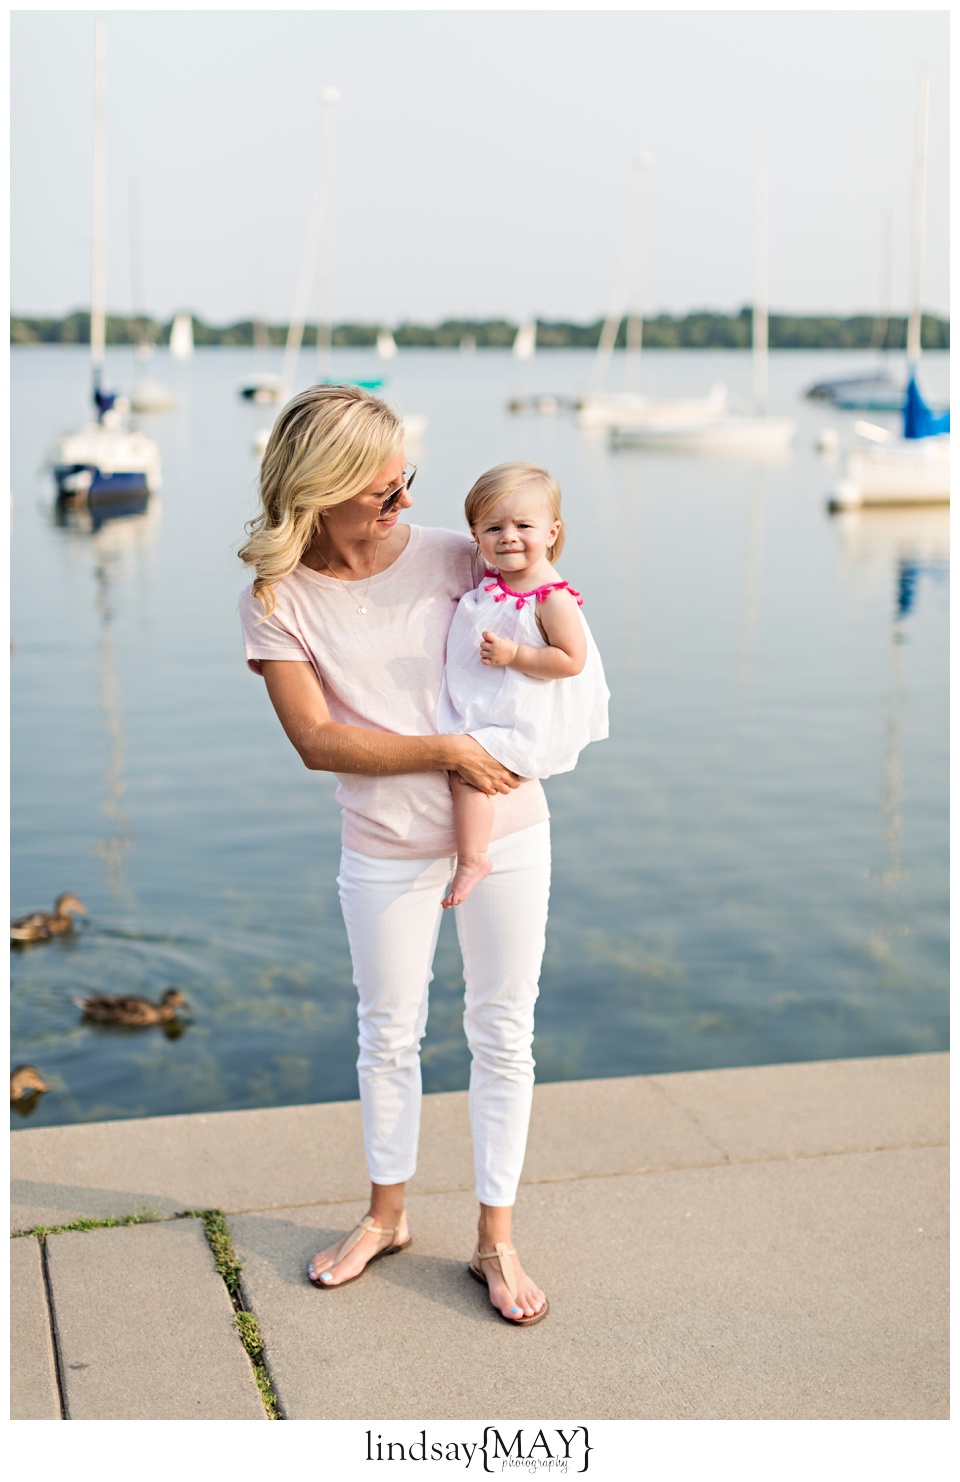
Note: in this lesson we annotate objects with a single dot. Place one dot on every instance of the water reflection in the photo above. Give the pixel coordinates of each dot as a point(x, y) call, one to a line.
point(911, 545)
point(752, 583)
point(119, 540)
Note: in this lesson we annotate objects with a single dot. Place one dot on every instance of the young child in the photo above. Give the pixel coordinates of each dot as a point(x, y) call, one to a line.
point(522, 674)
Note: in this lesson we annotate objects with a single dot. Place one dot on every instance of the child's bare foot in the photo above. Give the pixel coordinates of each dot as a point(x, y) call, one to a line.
point(469, 872)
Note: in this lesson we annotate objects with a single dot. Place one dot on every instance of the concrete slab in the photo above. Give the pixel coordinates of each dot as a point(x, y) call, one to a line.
point(284, 1156)
point(222, 1160)
point(33, 1375)
point(812, 1288)
point(145, 1327)
point(777, 1111)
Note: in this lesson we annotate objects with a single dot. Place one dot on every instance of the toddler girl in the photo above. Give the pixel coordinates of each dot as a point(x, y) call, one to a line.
point(522, 674)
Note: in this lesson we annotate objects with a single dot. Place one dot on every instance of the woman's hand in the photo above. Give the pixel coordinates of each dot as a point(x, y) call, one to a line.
point(498, 652)
point(479, 768)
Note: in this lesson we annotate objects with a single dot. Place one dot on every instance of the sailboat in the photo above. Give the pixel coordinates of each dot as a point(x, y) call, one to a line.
point(147, 395)
point(316, 262)
point(261, 386)
point(181, 337)
point(525, 341)
point(106, 465)
point(726, 432)
point(914, 468)
point(605, 409)
point(386, 345)
point(869, 390)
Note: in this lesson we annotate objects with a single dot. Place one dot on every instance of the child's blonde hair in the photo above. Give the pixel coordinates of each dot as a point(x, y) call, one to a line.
point(509, 478)
point(326, 445)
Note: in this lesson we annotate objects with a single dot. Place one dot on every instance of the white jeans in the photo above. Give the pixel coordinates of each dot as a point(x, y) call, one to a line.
point(392, 912)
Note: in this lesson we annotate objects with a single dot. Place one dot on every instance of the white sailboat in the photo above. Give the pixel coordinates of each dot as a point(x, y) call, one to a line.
point(147, 395)
point(728, 431)
point(386, 345)
point(181, 337)
point(261, 386)
point(602, 408)
point(914, 468)
point(105, 466)
point(525, 341)
point(316, 263)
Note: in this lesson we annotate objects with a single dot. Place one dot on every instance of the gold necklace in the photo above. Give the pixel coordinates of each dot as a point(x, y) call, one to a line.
point(361, 609)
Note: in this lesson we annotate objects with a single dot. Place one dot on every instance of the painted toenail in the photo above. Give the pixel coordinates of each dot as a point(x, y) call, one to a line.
point(325, 1276)
point(514, 1309)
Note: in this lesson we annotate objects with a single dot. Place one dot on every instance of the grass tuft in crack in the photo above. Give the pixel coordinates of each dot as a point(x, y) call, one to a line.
point(218, 1238)
point(229, 1266)
point(250, 1337)
point(140, 1216)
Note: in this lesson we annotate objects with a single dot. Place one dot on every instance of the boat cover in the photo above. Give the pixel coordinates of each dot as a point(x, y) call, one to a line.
point(918, 419)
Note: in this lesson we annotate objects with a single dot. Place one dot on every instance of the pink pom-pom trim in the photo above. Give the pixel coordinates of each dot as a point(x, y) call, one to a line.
point(540, 593)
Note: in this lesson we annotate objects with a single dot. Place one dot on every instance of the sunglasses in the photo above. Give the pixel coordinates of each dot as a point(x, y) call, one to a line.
point(393, 499)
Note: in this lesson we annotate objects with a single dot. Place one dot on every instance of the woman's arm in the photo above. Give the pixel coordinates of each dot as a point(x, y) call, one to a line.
point(565, 654)
point(325, 745)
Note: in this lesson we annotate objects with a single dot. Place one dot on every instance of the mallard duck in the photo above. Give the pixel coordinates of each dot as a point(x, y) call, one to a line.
point(127, 1008)
point(41, 925)
point(26, 1081)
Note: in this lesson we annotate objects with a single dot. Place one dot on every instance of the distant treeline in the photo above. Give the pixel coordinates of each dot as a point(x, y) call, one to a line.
point(701, 330)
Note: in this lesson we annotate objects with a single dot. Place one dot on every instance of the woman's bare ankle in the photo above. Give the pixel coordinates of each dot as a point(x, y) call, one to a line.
point(387, 1205)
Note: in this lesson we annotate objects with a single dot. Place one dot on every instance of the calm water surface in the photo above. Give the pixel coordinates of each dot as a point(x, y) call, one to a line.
point(752, 869)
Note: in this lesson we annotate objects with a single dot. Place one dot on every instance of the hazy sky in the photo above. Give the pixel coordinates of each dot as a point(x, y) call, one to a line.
point(483, 158)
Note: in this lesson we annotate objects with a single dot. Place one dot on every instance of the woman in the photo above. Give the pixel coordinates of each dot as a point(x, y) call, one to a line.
point(346, 620)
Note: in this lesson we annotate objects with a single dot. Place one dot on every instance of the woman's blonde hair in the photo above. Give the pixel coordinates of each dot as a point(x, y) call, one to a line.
point(325, 446)
point(509, 478)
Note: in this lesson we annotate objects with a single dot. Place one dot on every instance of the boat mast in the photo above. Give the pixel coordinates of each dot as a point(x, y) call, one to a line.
point(98, 285)
point(330, 98)
point(919, 213)
point(760, 285)
point(308, 263)
point(261, 338)
point(642, 164)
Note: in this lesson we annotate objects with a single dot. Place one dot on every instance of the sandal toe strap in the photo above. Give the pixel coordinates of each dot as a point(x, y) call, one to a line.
point(365, 1227)
point(502, 1253)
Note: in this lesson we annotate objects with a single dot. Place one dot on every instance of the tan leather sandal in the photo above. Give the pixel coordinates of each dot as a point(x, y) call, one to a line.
point(365, 1227)
point(502, 1253)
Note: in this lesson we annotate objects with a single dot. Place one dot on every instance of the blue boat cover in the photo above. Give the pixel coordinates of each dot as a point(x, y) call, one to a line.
point(918, 420)
point(103, 401)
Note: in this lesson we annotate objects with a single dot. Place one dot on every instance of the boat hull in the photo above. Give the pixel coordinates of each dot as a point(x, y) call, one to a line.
point(612, 409)
point(735, 435)
point(103, 464)
point(909, 472)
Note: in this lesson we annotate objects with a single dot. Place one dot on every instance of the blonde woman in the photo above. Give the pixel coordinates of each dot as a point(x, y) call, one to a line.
point(346, 620)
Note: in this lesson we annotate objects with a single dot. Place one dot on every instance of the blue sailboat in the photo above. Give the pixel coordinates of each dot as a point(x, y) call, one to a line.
point(919, 420)
point(105, 465)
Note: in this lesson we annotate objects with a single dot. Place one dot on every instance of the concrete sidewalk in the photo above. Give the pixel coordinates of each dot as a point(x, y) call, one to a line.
point(736, 1244)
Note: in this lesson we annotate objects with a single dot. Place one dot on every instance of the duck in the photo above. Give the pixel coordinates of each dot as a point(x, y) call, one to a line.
point(127, 1008)
point(39, 926)
point(25, 1082)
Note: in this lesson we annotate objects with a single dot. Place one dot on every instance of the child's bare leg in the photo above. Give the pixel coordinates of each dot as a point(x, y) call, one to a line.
point(473, 825)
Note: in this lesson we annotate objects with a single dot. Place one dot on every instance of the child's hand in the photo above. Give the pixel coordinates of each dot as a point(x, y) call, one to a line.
point(497, 651)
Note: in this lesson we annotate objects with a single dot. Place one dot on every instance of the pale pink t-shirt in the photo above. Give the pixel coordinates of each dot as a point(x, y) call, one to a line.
point(382, 671)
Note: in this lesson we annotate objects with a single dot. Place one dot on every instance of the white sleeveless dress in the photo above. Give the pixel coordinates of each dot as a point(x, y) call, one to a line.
point(535, 727)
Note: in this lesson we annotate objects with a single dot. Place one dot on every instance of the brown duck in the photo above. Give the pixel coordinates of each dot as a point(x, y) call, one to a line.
point(39, 926)
point(127, 1008)
point(26, 1081)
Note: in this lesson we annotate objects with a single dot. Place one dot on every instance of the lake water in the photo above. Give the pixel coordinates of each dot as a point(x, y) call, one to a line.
point(753, 869)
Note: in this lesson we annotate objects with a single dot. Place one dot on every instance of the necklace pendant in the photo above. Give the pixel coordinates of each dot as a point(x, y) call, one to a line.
point(362, 611)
